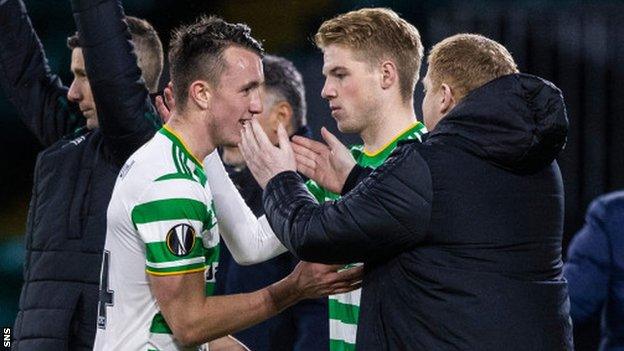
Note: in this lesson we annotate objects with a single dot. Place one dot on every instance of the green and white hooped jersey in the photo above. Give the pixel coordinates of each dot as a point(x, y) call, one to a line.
point(160, 221)
point(344, 309)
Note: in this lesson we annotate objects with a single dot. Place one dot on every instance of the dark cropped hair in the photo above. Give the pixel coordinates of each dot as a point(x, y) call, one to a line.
point(196, 52)
point(284, 81)
point(147, 47)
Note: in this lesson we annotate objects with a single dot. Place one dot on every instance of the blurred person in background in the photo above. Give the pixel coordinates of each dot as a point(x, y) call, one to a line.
point(303, 326)
point(595, 269)
point(460, 235)
point(85, 149)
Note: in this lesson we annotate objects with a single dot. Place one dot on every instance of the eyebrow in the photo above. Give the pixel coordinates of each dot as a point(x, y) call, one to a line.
point(252, 85)
point(334, 70)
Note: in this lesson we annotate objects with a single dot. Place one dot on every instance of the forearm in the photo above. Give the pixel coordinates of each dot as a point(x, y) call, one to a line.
point(249, 239)
point(196, 319)
point(387, 213)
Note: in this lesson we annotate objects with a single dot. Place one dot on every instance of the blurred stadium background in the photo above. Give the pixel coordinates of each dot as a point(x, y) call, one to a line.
point(576, 44)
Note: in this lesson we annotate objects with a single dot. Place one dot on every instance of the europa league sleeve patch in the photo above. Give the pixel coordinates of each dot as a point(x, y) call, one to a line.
point(181, 240)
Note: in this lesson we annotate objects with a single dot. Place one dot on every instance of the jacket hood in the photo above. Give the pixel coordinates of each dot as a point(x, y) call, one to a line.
point(518, 122)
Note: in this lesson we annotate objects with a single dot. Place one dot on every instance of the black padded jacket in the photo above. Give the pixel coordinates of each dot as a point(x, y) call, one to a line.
point(460, 235)
point(74, 176)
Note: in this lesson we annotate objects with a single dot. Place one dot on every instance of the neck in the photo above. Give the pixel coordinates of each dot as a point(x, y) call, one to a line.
point(232, 157)
point(193, 133)
point(389, 123)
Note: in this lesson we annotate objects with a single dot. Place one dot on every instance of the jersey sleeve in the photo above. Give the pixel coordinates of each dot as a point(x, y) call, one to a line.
point(170, 219)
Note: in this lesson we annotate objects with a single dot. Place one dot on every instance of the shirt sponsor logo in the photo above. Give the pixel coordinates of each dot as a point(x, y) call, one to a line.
point(181, 239)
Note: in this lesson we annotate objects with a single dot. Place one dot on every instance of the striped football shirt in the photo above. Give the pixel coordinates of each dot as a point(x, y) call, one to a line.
point(160, 221)
point(344, 309)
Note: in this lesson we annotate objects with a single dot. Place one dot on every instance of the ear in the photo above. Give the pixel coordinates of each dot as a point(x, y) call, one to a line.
point(447, 99)
point(200, 94)
point(389, 74)
point(282, 113)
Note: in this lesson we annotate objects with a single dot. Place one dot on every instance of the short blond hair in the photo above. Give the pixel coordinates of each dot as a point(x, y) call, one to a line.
point(468, 61)
point(378, 34)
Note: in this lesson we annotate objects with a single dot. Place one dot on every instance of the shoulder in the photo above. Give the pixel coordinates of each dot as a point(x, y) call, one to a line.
point(405, 166)
point(608, 208)
point(151, 173)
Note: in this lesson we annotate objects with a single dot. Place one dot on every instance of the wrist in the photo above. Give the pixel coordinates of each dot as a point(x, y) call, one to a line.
point(284, 293)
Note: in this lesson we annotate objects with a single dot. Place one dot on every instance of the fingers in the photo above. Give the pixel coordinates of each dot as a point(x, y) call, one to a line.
point(330, 139)
point(168, 92)
point(310, 144)
point(244, 146)
point(354, 273)
point(282, 139)
point(262, 139)
point(345, 289)
point(305, 163)
point(304, 151)
point(163, 111)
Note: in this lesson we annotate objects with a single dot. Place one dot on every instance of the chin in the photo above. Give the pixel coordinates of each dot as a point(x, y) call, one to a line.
point(347, 128)
point(92, 124)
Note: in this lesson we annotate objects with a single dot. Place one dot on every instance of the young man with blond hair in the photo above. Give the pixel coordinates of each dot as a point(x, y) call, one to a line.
point(460, 235)
point(372, 62)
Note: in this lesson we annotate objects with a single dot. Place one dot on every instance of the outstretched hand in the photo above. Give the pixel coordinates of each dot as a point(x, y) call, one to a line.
point(263, 159)
point(328, 165)
point(314, 280)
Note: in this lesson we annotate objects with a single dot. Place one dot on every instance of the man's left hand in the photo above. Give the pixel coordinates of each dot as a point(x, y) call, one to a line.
point(263, 159)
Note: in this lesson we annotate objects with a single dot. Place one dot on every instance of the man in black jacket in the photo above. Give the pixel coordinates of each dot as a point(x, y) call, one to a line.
point(75, 174)
point(460, 235)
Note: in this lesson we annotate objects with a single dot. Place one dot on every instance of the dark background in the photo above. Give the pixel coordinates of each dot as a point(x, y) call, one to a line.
point(576, 44)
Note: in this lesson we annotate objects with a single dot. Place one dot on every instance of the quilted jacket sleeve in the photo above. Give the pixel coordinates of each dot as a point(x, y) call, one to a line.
point(385, 214)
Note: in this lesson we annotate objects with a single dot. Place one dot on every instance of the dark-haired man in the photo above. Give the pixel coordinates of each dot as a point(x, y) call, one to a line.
point(86, 147)
point(160, 218)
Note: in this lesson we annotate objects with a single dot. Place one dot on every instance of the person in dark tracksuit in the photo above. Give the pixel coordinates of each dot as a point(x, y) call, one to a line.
point(460, 235)
point(85, 148)
point(304, 326)
point(595, 269)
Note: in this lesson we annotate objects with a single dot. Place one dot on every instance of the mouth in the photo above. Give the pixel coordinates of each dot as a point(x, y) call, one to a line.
point(334, 110)
point(86, 112)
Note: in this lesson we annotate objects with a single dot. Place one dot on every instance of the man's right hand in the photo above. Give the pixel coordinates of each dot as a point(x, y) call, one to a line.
point(314, 280)
point(328, 165)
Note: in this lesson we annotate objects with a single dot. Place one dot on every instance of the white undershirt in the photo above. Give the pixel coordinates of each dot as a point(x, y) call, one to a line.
point(250, 240)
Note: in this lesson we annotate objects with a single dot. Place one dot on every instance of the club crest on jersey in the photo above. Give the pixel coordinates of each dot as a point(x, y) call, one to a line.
point(181, 239)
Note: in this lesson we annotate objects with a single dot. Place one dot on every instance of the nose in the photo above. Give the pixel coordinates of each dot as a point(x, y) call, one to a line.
point(73, 94)
point(328, 92)
point(255, 104)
